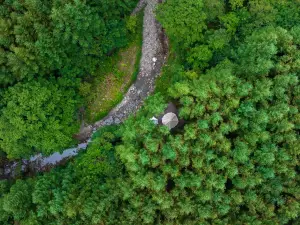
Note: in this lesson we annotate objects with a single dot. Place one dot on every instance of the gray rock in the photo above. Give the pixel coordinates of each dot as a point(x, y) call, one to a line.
point(108, 121)
point(153, 57)
point(117, 121)
point(154, 52)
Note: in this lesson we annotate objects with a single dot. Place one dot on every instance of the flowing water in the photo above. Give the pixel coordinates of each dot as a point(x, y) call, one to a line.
point(154, 53)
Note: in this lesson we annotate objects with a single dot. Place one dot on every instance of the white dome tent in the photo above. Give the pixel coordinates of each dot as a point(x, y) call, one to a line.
point(169, 118)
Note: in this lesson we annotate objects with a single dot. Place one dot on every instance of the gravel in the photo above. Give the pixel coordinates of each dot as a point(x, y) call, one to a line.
point(154, 52)
point(139, 7)
point(153, 57)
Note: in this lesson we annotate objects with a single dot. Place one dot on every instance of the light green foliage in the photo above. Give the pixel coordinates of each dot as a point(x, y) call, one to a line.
point(219, 39)
point(51, 41)
point(131, 24)
point(236, 3)
point(155, 104)
point(257, 53)
point(263, 11)
point(230, 21)
point(184, 20)
point(85, 89)
point(36, 118)
point(235, 161)
point(238, 150)
point(199, 56)
point(221, 26)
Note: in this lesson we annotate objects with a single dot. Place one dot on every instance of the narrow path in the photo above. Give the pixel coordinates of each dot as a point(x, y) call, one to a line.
point(154, 53)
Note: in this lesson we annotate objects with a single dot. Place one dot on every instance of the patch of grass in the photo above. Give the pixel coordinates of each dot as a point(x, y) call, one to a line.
point(139, 42)
point(114, 76)
point(172, 72)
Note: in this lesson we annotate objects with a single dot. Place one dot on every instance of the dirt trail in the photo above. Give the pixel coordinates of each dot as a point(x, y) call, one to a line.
point(154, 53)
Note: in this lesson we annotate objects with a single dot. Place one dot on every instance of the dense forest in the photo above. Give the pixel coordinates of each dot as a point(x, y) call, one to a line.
point(233, 72)
point(48, 48)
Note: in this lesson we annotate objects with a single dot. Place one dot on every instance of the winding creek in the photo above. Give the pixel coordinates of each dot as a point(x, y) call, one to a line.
point(154, 53)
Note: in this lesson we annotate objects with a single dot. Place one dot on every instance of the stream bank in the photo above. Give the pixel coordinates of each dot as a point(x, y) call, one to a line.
point(154, 54)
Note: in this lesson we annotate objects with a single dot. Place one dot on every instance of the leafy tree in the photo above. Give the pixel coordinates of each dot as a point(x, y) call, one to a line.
point(258, 52)
point(5, 216)
point(235, 161)
point(236, 3)
point(213, 9)
point(67, 38)
point(18, 200)
point(36, 118)
point(228, 153)
point(100, 160)
point(187, 26)
point(199, 56)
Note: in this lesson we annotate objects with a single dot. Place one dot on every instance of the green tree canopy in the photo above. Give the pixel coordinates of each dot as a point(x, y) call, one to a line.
point(36, 118)
point(235, 82)
point(66, 38)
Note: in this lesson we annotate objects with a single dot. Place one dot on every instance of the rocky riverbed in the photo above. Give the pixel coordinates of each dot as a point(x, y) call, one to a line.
point(153, 57)
point(154, 53)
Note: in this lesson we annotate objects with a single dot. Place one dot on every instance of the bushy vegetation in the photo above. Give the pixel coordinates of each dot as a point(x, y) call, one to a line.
point(111, 81)
point(236, 67)
point(38, 115)
point(47, 48)
point(64, 37)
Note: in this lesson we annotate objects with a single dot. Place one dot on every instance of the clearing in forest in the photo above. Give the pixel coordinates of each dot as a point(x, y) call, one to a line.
point(114, 78)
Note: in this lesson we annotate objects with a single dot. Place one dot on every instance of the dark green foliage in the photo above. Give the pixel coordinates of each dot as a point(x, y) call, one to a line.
point(82, 193)
point(4, 189)
point(221, 26)
point(55, 41)
point(100, 159)
point(236, 161)
point(248, 142)
point(18, 200)
point(67, 38)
